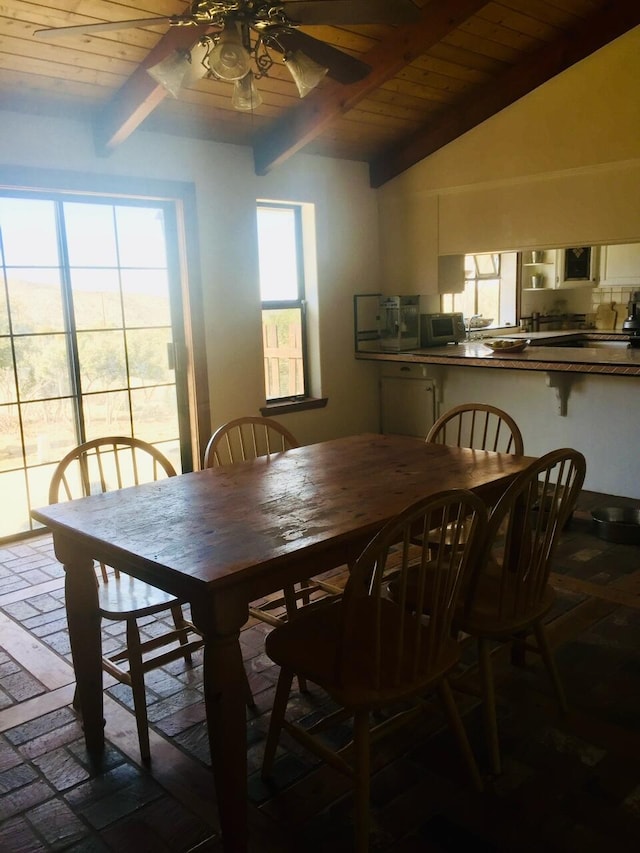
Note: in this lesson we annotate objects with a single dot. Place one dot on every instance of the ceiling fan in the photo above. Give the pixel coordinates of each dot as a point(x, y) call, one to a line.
point(242, 32)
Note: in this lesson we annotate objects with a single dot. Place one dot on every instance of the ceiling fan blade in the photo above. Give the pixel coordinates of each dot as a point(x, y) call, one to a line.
point(342, 67)
point(106, 26)
point(351, 11)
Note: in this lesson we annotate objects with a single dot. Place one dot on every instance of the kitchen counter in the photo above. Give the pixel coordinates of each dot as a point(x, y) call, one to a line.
point(548, 351)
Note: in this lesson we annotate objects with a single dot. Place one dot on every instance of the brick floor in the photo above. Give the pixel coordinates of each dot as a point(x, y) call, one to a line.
point(568, 784)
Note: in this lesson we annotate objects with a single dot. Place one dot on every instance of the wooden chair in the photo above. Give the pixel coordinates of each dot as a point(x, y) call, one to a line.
point(369, 652)
point(103, 465)
point(480, 426)
point(510, 594)
point(248, 438)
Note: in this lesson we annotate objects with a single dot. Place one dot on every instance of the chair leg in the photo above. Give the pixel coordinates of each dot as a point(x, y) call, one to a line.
point(180, 625)
point(292, 612)
point(550, 663)
point(362, 781)
point(278, 711)
point(489, 704)
point(136, 674)
point(458, 729)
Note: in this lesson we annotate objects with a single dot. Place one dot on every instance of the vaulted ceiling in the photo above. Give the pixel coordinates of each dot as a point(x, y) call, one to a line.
point(458, 63)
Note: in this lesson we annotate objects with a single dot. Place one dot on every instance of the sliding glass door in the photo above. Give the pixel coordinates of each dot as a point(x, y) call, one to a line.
point(90, 324)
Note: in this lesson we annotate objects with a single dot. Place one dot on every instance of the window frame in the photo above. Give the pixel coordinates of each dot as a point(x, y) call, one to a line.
point(473, 281)
point(283, 304)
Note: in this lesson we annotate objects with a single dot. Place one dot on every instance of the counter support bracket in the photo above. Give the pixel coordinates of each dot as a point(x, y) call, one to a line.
point(562, 383)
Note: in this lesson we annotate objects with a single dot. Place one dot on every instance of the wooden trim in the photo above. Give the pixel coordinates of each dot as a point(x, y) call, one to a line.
point(282, 407)
point(140, 95)
point(309, 120)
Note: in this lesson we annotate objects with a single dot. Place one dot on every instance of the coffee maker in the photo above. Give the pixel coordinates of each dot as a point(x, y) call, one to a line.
point(632, 323)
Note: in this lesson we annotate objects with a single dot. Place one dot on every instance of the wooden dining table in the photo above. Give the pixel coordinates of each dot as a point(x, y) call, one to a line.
point(221, 538)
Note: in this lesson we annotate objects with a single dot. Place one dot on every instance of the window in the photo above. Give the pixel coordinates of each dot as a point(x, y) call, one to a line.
point(489, 289)
point(283, 300)
point(89, 314)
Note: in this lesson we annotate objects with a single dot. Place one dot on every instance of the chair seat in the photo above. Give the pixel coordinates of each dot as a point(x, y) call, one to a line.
point(485, 621)
point(126, 596)
point(309, 645)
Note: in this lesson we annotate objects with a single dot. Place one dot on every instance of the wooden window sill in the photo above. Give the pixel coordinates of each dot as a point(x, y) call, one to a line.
point(282, 407)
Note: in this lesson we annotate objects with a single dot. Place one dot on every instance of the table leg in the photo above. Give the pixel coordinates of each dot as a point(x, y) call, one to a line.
point(83, 618)
point(225, 698)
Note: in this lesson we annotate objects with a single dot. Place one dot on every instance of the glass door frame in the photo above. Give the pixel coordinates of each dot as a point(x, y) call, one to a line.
point(177, 200)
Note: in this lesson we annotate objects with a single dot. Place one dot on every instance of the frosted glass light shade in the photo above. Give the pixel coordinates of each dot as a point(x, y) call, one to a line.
point(305, 72)
point(245, 93)
point(172, 71)
point(229, 59)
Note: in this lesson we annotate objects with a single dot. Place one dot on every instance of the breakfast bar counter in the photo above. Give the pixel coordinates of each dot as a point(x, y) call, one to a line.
point(591, 352)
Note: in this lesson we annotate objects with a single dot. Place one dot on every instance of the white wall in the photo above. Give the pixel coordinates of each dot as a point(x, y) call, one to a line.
point(226, 191)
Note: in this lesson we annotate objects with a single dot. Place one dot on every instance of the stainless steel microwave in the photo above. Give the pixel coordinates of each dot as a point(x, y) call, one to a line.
point(439, 329)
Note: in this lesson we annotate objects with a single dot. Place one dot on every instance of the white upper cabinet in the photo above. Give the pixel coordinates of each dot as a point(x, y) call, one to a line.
point(620, 265)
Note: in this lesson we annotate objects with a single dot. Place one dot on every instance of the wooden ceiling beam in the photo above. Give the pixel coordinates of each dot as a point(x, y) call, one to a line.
point(593, 33)
point(291, 133)
point(140, 95)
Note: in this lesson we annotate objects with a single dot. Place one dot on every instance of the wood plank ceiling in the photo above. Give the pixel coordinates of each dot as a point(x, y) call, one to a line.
point(430, 81)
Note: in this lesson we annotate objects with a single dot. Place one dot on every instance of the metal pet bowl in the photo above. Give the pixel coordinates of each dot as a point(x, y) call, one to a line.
point(617, 524)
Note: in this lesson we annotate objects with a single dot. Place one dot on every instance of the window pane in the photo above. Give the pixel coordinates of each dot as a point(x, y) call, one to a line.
point(489, 298)
point(7, 376)
point(91, 238)
point(42, 367)
point(141, 237)
point(4, 312)
point(155, 417)
point(49, 430)
point(35, 300)
point(29, 232)
point(148, 359)
point(106, 414)
point(96, 299)
point(145, 294)
point(102, 360)
point(39, 479)
point(283, 365)
point(10, 439)
point(488, 264)
point(277, 254)
point(14, 517)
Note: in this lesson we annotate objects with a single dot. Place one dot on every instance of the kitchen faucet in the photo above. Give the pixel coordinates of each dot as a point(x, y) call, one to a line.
point(469, 321)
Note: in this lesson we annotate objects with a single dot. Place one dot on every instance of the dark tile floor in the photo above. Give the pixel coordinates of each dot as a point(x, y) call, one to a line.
point(569, 784)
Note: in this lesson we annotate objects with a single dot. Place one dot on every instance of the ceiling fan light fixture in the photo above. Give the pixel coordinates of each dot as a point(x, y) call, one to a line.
point(172, 71)
point(229, 59)
point(305, 71)
point(246, 96)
